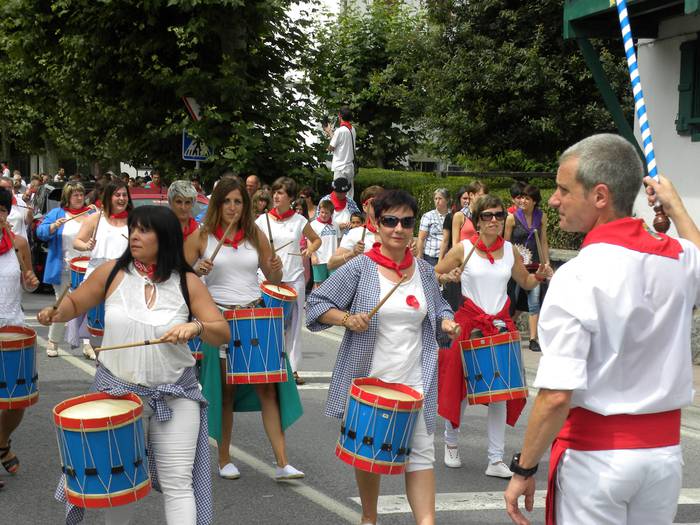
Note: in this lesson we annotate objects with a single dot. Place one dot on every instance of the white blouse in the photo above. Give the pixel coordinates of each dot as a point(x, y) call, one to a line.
point(110, 243)
point(128, 319)
point(234, 278)
point(485, 283)
point(354, 236)
point(291, 229)
point(70, 232)
point(10, 290)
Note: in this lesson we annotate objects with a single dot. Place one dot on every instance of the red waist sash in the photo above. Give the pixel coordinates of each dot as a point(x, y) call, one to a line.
point(586, 430)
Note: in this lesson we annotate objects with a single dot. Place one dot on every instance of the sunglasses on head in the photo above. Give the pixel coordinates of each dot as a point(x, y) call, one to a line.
point(490, 215)
point(391, 222)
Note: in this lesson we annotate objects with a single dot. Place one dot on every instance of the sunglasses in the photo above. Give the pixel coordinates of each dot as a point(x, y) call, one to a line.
point(392, 222)
point(490, 215)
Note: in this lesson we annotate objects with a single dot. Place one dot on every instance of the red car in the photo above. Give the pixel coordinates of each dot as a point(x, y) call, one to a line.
point(143, 196)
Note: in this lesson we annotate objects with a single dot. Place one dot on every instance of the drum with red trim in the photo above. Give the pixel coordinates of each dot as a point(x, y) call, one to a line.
point(96, 320)
point(103, 449)
point(78, 266)
point(278, 296)
point(376, 432)
point(493, 368)
point(256, 350)
point(18, 375)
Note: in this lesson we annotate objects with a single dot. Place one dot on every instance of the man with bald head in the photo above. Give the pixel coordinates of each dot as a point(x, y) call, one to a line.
point(252, 184)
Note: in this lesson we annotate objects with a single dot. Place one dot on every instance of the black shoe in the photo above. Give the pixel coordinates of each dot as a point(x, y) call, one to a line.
point(535, 346)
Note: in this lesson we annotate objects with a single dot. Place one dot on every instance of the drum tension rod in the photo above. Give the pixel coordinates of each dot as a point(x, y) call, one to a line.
point(368, 440)
point(386, 447)
point(90, 471)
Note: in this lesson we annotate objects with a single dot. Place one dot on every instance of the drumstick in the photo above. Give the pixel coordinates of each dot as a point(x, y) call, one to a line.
point(221, 241)
point(78, 215)
point(543, 260)
point(269, 233)
point(384, 299)
point(97, 225)
point(129, 345)
point(125, 236)
point(284, 246)
point(14, 247)
point(60, 298)
point(464, 264)
point(364, 231)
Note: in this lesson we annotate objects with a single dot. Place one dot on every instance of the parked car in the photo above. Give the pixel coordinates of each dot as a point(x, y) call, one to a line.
point(143, 196)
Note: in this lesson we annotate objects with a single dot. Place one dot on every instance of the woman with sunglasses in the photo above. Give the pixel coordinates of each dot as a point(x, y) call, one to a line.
point(59, 228)
point(288, 228)
point(397, 345)
point(484, 308)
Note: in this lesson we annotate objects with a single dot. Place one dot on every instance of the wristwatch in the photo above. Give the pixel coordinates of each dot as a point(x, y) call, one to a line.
point(520, 471)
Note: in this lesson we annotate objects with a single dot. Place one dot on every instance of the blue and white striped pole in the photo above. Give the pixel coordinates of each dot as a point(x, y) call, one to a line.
point(661, 222)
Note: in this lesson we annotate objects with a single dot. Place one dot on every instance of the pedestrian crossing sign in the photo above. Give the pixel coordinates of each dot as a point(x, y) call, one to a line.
point(193, 148)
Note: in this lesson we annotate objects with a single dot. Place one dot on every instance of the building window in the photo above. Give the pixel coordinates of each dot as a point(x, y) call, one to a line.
point(688, 121)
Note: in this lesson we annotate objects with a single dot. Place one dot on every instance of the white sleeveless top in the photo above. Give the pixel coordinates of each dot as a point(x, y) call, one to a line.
point(234, 279)
point(290, 230)
point(70, 232)
point(110, 243)
point(10, 290)
point(128, 319)
point(485, 283)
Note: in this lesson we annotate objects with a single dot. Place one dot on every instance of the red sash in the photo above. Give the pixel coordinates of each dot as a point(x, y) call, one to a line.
point(586, 430)
point(451, 385)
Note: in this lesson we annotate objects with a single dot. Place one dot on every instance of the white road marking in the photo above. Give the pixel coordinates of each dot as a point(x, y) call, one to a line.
point(313, 386)
point(315, 374)
point(480, 501)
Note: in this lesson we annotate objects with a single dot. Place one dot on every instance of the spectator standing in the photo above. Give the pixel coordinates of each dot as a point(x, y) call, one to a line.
point(516, 191)
point(430, 233)
point(156, 182)
point(60, 176)
point(452, 291)
point(261, 202)
point(344, 207)
point(309, 195)
point(252, 184)
point(20, 214)
point(5, 168)
point(342, 146)
point(462, 225)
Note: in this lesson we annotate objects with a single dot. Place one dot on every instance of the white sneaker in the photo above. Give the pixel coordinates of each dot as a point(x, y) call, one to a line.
point(287, 472)
point(229, 471)
point(499, 470)
point(52, 349)
point(88, 352)
point(452, 458)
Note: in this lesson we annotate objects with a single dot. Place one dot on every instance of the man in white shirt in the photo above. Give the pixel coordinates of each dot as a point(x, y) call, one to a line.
point(616, 362)
point(342, 146)
point(20, 215)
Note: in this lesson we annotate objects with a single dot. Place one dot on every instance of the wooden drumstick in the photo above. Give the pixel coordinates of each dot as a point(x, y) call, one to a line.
point(97, 225)
point(125, 236)
point(269, 233)
point(61, 297)
point(78, 215)
point(364, 232)
point(386, 297)
point(221, 242)
point(147, 342)
point(540, 254)
point(285, 245)
point(464, 264)
point(14, 247)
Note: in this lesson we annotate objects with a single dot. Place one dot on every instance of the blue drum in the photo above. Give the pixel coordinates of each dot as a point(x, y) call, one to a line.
point(195, 345)
point(493, 368)
point(78, 267)
point(279, 296)
point(256, 350)
point(103, 450)
point(18, 376)
point(96, 320)
point(376, 432)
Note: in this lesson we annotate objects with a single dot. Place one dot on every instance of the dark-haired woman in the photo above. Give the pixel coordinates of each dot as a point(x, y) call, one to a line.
point(232, 280)
point(520, 230)
point(288, 228)
point(484, 308)
point(150, 292)
point(398, 345)
point(450, 290)
point(105, 234)
point(462, 226)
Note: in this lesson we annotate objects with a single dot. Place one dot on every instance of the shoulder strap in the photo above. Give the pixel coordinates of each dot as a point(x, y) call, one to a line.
point(352, 138)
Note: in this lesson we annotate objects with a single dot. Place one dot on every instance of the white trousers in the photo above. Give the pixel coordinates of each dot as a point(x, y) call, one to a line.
point(618, 487)
point(496, 429)
point(57, 330)
point(292, 328)
point(174, 445)
point(348, 173)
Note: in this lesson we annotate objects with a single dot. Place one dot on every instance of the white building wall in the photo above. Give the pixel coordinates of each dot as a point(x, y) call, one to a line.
point(677, 157)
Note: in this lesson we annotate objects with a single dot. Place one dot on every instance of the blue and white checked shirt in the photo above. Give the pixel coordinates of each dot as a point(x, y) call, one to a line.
point(432, 223)
point(354, 287)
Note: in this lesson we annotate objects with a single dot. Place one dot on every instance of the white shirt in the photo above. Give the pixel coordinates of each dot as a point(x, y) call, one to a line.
point(328, 234)
point(354, 236)
point(10, 290)
point(234, 278)
point(485, 283)
point(343, 154)
point(110, 243)
point(615, 328)
point(397, 350)
point(18, 217)
point(70, 232)
point(291, 229)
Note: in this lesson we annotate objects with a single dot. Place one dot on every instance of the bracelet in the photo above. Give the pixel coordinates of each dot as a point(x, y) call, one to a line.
point(200, 326)
point(345, 319)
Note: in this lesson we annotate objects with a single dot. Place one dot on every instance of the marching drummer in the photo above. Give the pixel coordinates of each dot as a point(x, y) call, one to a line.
point(60, 227)
point(152, 294)
point(285, 228)
point(484, 277)
point(13, 276)
point(398, 345)
point(232, 280)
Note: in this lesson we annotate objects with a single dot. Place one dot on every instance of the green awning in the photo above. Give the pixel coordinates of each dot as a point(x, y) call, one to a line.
point(598, 18)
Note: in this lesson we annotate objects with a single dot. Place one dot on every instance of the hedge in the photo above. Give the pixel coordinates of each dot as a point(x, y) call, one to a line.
point(422, 185)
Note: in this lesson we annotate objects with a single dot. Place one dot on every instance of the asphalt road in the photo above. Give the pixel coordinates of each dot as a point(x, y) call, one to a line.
point(326, 496)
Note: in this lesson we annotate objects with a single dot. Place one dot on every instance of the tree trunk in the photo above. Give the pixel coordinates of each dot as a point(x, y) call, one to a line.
point(51, 166)
point(5, 137)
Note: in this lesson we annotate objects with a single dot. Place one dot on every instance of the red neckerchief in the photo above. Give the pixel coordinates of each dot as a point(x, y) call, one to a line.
point(329, 221)
point(121, 215)
point(6, 241)
point(338, 204)
point(634, 234)
point(369, 226)
point(281, 216)
point(382, 260)
point(98, 203)
point(346, 125)
point(488, 250)
point(219, 233)
point(148, 269)
point(77, 211)
point(14, 200)
point(190, 228)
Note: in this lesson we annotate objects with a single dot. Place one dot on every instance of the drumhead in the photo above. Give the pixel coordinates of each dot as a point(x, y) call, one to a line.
point(99, 408)
point(12, 336)
point(80, 263)
point(279, 290)
point(387, 393)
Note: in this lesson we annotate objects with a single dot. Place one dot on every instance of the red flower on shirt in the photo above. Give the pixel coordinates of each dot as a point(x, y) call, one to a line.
point(412, 302)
